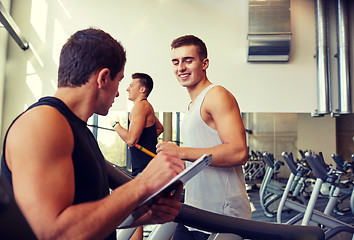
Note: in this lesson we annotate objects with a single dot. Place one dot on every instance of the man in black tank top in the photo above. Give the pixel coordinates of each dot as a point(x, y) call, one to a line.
point(143, 127)
point(53, 164)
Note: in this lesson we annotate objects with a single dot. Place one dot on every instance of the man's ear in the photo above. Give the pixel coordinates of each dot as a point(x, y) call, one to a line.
point(143, 89)
point(205, 63)
point(102, 77)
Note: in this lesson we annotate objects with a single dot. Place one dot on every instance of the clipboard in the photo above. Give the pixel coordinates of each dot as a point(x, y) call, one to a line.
point(168, 189)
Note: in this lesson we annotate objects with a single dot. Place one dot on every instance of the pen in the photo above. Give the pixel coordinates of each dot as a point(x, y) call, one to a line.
point(145, 150)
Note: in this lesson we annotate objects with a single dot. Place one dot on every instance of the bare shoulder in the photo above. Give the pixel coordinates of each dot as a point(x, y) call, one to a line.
point(41, 130)
point(219, 98)
point(220, 91)
point(142, 108)
point(42, 117)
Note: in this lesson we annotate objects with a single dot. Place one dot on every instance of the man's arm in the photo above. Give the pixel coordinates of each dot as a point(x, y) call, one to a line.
point(221, 112)
point(138, 118)
point(38, 152)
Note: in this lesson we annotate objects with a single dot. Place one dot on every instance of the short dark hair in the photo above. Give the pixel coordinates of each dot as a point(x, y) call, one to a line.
point(145, 80)
point(86, 52)
point(188, 40)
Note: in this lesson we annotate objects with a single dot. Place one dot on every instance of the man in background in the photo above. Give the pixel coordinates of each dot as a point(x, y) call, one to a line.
point(143, 127)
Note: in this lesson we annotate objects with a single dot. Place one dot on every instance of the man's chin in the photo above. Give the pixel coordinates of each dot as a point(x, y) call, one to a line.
point(186, 84)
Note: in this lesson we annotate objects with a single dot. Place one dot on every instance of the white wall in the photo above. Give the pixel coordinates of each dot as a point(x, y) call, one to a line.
point(318, 135)
point(146, 29)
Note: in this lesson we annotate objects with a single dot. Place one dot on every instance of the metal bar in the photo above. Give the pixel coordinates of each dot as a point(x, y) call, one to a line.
point(323, 100)
point(12, 28)
point(344, 88)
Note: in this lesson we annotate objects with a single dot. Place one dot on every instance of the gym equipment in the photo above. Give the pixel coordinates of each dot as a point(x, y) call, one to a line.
point(163, 231)
point(307, 214)
point(271, 190)
point(217, 223)
point(343, 205)
point(247, 229)
point(295, 184)
point(254, 167)
point(319, 167)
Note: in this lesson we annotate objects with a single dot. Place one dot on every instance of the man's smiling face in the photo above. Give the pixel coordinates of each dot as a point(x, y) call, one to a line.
point(187, 66)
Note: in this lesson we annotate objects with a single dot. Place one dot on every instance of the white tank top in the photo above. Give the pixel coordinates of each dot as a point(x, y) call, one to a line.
point(219, 190)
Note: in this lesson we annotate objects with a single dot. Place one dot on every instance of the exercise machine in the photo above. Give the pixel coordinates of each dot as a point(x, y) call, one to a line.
point(331, 225)
point(295, 184)
point(254, 167)
point(272, 190)
point(343, 205)
point(226, 225)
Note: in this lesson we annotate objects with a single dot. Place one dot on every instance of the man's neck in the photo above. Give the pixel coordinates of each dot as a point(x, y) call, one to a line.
point(80, 104)
point(197, 89)
point(139, 98)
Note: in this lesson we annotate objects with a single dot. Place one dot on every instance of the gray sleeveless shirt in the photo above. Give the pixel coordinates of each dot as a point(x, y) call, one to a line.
point(219, 190)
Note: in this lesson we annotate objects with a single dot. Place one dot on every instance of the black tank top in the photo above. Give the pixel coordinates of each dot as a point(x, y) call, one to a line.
point(148, 140)
point(91, 180)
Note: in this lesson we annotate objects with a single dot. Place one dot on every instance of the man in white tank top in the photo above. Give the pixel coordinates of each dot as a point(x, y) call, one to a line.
point(211, 125)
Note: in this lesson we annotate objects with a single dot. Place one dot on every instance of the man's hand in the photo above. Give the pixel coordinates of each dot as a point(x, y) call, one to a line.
point(164, 210)
point(167, 147)
point(157, 173)
point(160, 171)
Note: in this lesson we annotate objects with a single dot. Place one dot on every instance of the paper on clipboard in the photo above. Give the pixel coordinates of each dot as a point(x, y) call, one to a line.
point(166, 190)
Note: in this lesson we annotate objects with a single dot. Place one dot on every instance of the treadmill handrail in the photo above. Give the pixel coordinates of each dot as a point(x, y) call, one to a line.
point(248, 229)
